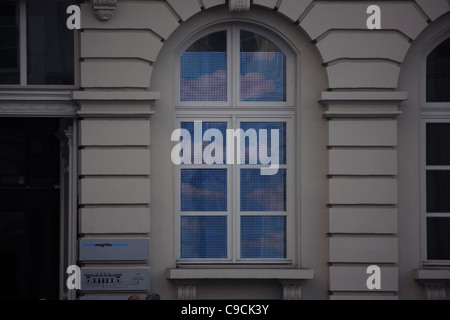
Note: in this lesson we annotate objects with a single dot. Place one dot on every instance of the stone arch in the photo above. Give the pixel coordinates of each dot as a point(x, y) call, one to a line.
point(353, 56)
point(361, 51)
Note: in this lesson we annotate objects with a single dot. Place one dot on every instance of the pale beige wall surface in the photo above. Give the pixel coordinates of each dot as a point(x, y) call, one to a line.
point(357, 172)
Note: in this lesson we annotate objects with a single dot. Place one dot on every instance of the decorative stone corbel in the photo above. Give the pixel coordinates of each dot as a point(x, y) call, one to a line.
point(435, 291)
point(104, 9)
point(238, 5)
point(187, 290)
point(292, 290)
point(434, 281)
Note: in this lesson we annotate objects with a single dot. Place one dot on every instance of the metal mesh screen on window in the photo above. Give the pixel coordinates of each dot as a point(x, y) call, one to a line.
point(263, 237)
point(263, 192)
point(204, 190)
point(203, 237)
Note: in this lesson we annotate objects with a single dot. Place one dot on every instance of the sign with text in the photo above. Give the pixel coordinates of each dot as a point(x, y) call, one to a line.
point(113, 249)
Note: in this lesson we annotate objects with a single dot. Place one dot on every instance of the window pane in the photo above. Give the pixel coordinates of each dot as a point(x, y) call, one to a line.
point(204, 69)
point(50, 43)
point(263, 65)
point(9, 43)
point(213, 150)
point(438, 191)
point(438, 238)
point(203, 237)
point(204, 190)
point(263, 145)
point(13, 154)
point(263, 237)
point(263, 192)
point(438, 73)
point(29, 152)
point(438, 144)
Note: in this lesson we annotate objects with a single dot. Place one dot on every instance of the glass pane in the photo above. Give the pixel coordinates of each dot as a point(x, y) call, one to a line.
point(204, 69)
point(438, 238)
point(213, 150)
point(260, 144)
point(29, 152)
point(263, 69)
point(263, 237)
point(438, 73)
point(438, 191)
point(9, 43)
point(13, 141)
point(438, 144)
point(204, 190)
point(263, 192)
point(50, 50)
point(203, 237)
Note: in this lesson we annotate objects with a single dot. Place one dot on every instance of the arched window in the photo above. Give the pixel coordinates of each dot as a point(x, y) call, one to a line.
point(234, 66)
point(436, 157)
point(438, 73)
point(235, 156)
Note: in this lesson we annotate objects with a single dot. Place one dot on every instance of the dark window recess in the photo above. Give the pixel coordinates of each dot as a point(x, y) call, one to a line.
point(438, 144)
point(438, 73)
point(29, 208)
point(50, 45)
point(9, 43)
point(438, 238)
point(27, 155)
point(215, 42)
point(438, 191)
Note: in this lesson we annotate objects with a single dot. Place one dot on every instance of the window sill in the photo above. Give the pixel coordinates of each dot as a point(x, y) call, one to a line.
point(290, 279)
point(243, 273)
point(432, 274)
point(35, 95)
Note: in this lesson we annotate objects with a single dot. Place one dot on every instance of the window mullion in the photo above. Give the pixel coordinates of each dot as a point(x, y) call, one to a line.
point(235, 196)
point(235, 40)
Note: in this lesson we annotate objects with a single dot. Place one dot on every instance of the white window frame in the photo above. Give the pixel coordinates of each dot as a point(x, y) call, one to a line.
point(233, 70)
point(431, 112)
point(233, 212)
point(23, 61)
point(233, 112)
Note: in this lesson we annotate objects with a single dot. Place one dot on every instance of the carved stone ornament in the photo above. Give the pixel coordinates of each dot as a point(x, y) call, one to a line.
point(239, 5)
point(436, 292)
point(104, 9)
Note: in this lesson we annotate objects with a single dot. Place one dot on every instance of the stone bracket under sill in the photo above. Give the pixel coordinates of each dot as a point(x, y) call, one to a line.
point(434, 281)
point(186, 279)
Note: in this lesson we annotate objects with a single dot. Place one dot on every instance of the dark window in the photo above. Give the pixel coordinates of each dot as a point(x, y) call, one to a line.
point(438, 238)
point(29, 208)
point(438, 73)
point(50, 44)
point(9, 43)
point(438, 144)
point(47, 53)
point(438, 190)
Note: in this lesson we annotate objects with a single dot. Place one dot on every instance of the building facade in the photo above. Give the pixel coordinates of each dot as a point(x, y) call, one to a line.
point(358, 115)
